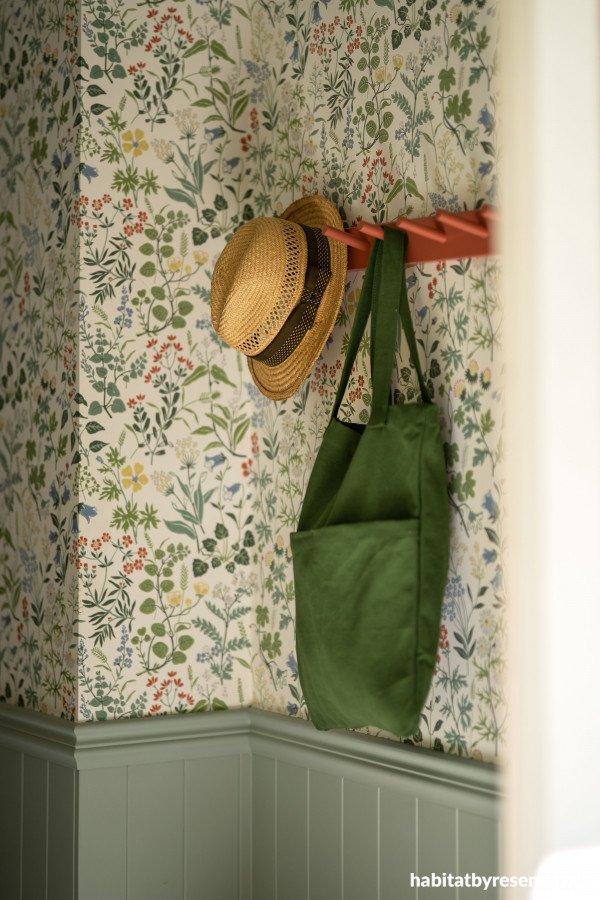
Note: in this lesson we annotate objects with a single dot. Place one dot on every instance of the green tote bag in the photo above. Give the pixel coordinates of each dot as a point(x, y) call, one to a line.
point(371, 552)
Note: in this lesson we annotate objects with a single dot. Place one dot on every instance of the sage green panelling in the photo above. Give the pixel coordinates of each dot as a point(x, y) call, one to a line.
point(325, 836)
point(264, 828)
point(102, 800)
point(10, 820)
point(243, 805)
point(34, 858)
point(292, 831)
point(212, 835)
point(436, 846)
point(361, 839)
point(155, 804)
point(61, 831)
point(398, 843)
point(477, 835)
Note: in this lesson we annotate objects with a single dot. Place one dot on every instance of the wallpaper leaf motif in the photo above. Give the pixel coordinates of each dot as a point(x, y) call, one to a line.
point(162, 486)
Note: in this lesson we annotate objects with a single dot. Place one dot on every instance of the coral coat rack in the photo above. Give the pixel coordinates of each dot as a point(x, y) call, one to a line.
point(431, 239)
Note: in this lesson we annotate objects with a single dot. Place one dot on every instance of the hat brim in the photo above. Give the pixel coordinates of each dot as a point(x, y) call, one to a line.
point(282, 381)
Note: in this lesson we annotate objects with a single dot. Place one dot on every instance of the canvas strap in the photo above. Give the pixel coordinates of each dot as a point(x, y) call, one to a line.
point(302, 317)
point(384, 297)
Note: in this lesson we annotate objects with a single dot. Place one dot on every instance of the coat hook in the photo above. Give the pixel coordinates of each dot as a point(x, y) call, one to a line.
point(412, 227)
point(374, 231)
point(335, 234)
point(449, 220)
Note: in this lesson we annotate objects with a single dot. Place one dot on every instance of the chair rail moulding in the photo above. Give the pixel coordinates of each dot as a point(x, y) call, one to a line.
point(214, 804)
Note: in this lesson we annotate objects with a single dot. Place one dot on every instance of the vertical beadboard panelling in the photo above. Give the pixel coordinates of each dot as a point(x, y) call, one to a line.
point(245, 827)
point(292, 837)
point(102, 844)
point(264, 828)
point(397, 844)
point(11, 762)
point(161, 814)
point(212, 837)
point(325, 836)
point(155, 831)
point(35, 828)
point(360, 840)
point(61, 832)
point(477, 852)
point(436, 847)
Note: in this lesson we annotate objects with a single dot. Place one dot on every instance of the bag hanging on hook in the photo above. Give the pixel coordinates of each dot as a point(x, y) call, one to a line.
point(371, 552)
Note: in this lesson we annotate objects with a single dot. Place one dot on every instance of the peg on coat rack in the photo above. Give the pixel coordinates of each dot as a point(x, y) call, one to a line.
point(430, 239)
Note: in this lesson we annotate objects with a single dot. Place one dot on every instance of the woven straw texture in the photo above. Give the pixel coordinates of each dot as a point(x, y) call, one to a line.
point(257, 282)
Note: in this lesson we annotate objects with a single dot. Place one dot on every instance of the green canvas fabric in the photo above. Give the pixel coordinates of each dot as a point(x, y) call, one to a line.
point(370, 554)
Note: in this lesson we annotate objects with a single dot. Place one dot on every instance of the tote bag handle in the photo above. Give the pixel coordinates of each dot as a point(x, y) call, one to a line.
point(384, 296)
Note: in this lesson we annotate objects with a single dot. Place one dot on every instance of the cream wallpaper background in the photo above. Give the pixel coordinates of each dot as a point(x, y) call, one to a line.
point(148, 489)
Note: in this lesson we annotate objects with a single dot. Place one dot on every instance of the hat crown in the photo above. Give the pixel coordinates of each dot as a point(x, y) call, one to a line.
point(257, 281)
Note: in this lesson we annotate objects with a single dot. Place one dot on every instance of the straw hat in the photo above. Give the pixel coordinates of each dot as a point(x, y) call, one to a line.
point(276, 291)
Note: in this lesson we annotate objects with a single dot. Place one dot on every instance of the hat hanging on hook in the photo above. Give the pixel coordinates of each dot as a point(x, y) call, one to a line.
point(276, 291)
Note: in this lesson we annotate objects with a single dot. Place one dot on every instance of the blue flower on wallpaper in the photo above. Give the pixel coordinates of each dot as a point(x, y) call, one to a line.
point(89, 33)
point(489, 556)
point(258, 399)
point(29, 561)
point(125, 653)
point(485, 168)
point(292, 664)
point(486, 119)
point(230, 492)
point(230, 164)
point(126, 310)
point(454, 588)
point(348, 140)
point(213, 134)
point(420, 315)
point(31, 237)
point(258, 72)
point(88, 512)
point(448, 611)
point(438, 201)
point(88, 172)
point(213, 461)
point(491, 506)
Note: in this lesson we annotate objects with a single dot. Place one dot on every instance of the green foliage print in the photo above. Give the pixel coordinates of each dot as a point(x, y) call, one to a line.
point(147, 488)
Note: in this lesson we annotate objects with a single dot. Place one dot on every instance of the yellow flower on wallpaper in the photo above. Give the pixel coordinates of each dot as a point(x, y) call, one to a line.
point(134, 477)
point(174, 598)
point(174, 263)
point(352, 301)
point(135, 143)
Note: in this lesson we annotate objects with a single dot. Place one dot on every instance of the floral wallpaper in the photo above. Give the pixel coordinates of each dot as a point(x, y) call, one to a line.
point(159, 579)
point(39, 365)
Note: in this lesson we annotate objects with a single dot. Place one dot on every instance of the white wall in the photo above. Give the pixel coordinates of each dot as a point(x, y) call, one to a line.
point(551, 240)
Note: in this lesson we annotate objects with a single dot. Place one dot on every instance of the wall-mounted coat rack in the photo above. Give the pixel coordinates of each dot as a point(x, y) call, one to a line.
point(431, 239)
